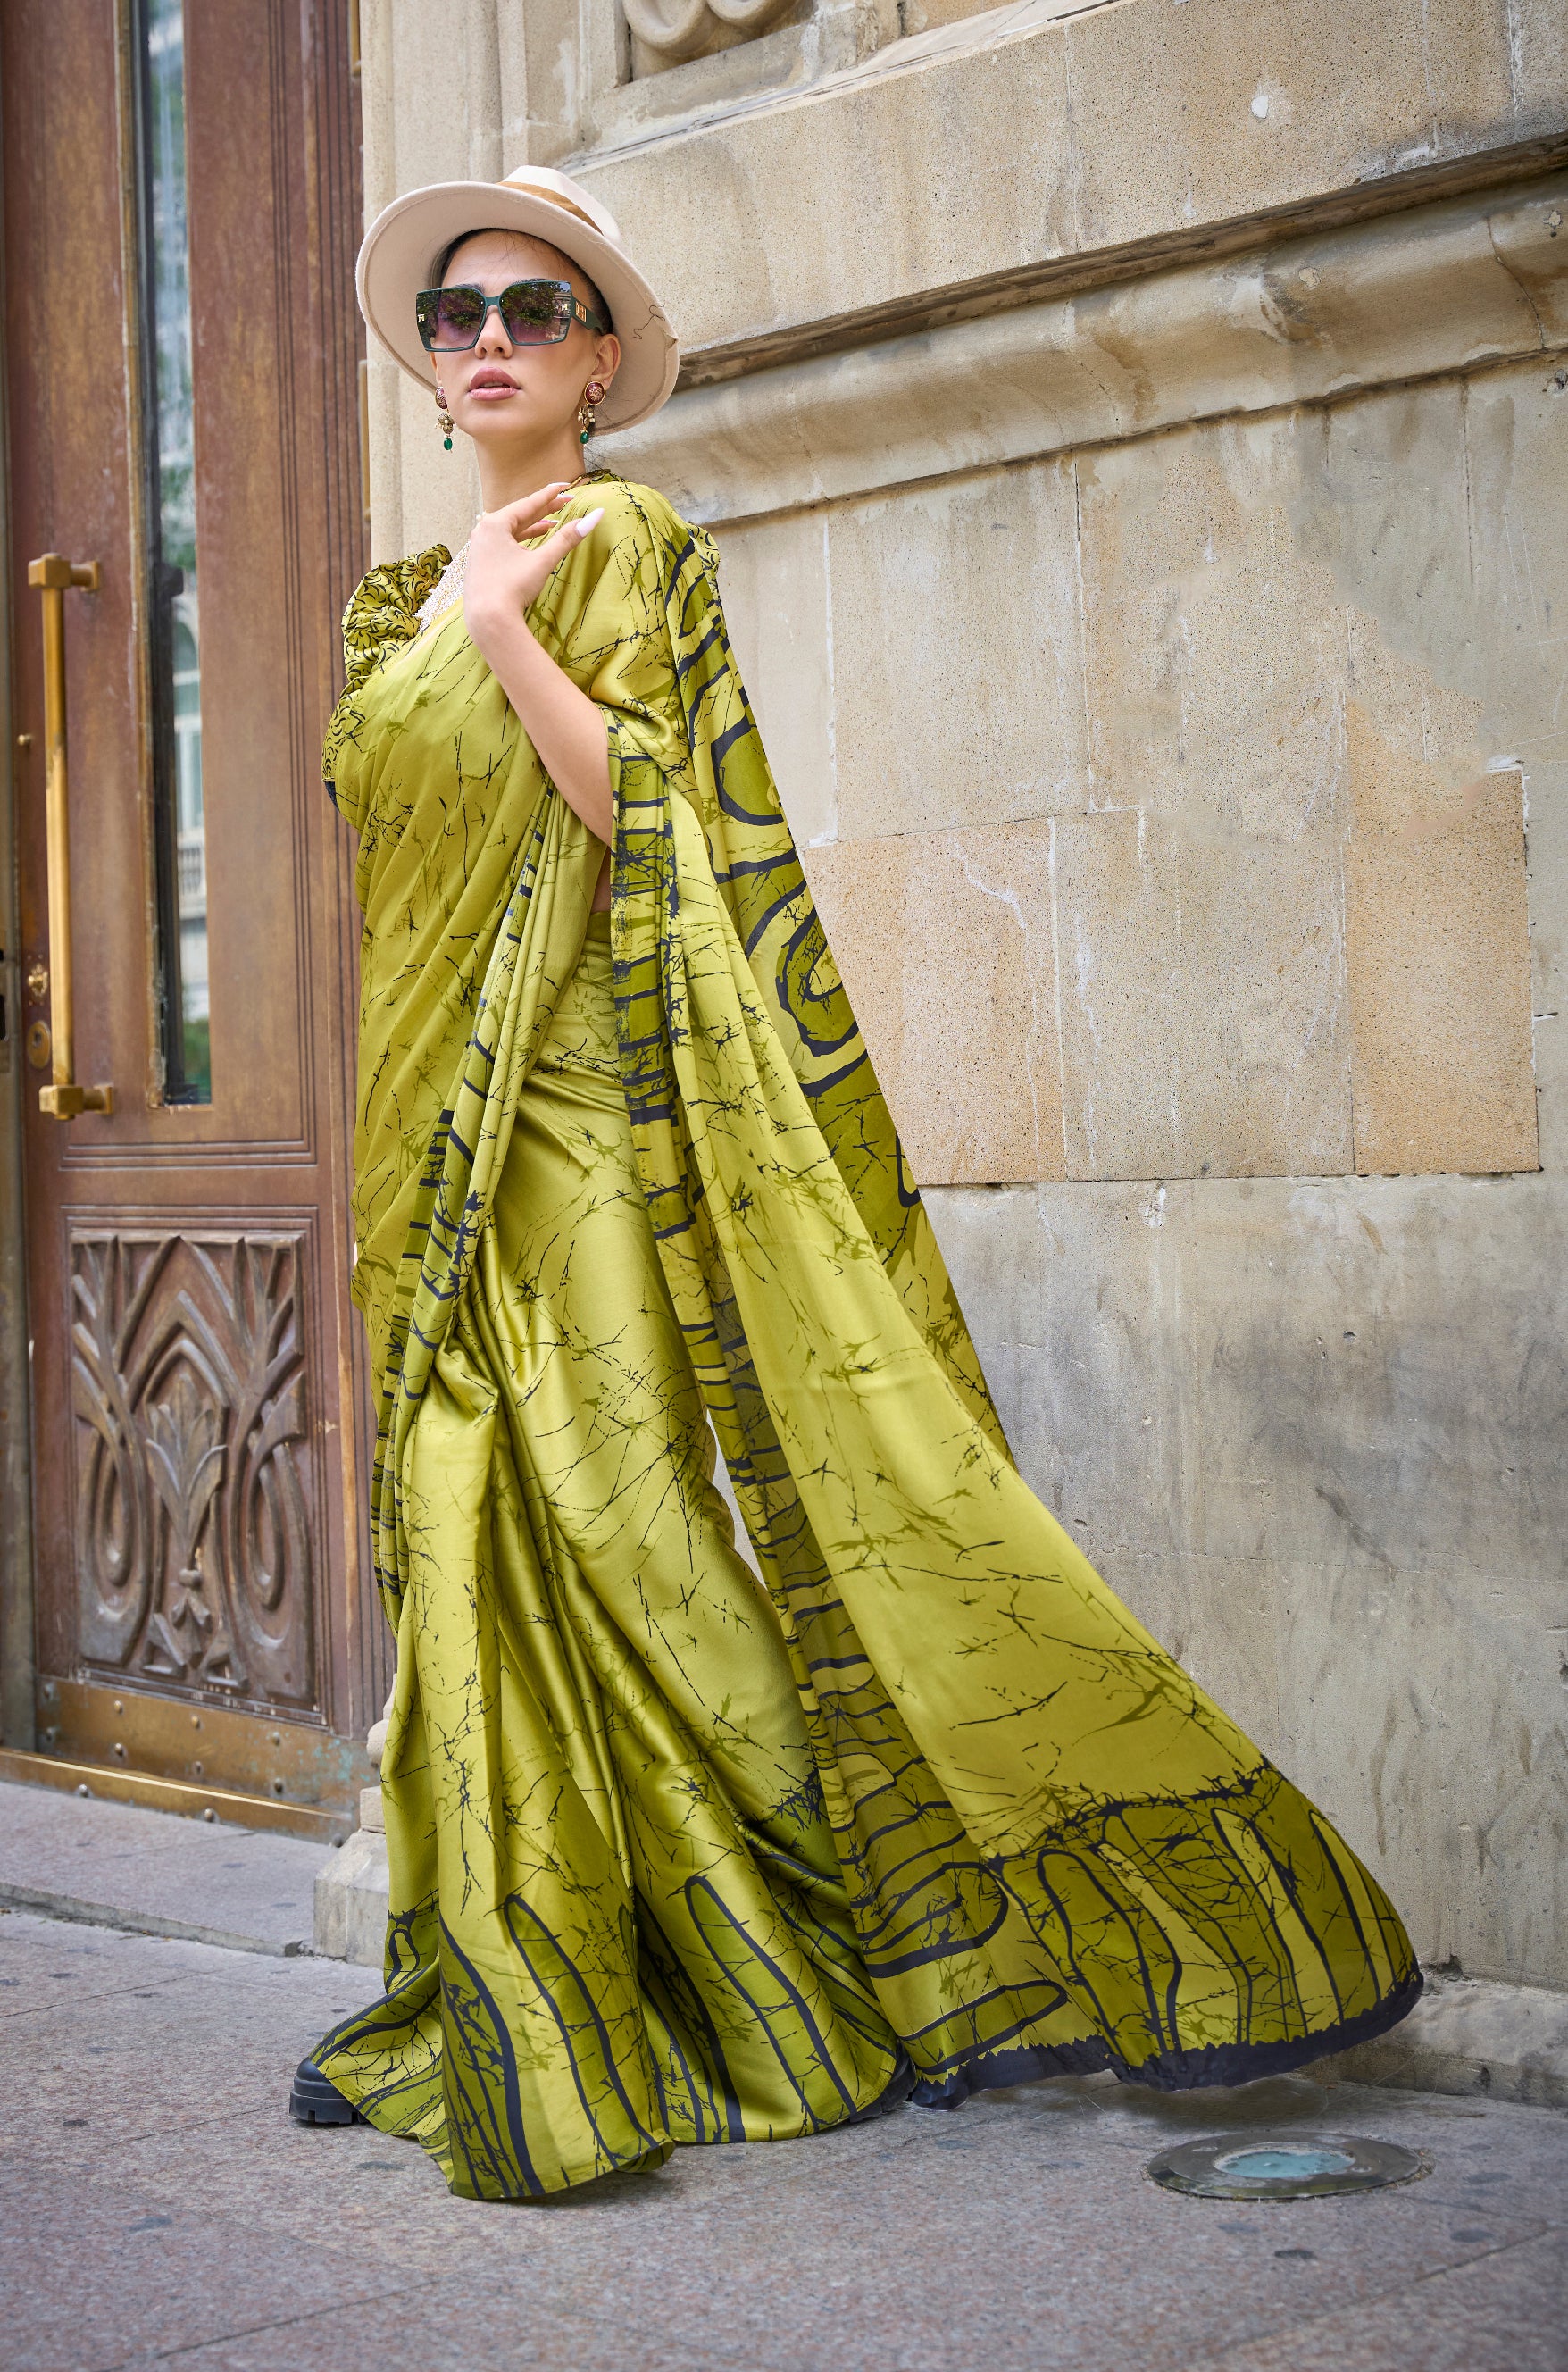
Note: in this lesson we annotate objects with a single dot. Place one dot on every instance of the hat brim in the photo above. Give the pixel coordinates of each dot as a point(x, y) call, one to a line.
point(405, 239)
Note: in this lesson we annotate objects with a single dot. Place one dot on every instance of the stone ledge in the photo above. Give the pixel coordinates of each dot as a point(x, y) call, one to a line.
point(1487, 170)
point(1469, 2036)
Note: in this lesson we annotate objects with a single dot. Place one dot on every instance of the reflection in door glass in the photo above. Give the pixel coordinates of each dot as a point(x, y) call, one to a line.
point(176, 634)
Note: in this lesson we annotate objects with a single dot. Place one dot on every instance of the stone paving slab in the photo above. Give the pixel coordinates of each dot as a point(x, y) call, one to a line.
point(119, 1865)
point(156, 2204)
point(1512, 2310)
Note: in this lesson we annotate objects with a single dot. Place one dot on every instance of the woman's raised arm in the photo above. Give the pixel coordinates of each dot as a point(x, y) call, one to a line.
point(503, 577)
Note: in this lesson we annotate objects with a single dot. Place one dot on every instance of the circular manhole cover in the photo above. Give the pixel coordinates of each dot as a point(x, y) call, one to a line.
point(1284, 2166)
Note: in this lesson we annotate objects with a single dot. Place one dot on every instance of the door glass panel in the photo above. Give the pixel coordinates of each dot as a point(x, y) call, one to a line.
point(168, 431)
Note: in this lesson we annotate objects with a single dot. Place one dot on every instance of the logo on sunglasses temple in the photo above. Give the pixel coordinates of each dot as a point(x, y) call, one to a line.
point(533, 313)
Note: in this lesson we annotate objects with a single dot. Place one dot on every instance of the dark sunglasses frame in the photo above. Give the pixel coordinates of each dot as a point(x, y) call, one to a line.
point(426, 307)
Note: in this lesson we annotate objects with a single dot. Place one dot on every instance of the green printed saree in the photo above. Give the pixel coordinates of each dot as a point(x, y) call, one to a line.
point(675, 1856)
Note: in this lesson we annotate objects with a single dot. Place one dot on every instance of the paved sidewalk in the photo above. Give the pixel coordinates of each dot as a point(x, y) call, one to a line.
point(117, 1865)
point(156, 2203)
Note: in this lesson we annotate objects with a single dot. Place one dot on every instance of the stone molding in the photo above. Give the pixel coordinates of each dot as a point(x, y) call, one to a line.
point(1445, 288)
point(1488, 173)
point(676, 29)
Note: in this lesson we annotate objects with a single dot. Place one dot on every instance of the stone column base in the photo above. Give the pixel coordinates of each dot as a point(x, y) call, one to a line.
point(351, 1892)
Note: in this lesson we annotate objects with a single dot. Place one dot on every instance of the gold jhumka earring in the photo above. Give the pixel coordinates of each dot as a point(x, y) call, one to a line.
point(593, 393)
point(443, 420)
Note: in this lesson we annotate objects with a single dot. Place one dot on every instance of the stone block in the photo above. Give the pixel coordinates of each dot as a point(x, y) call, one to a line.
point(675, 45)
point(1468, 2036)
point(1074, 1296)
point(1438, 958)
point(668, 96)
point(1231, 99)
point(543, 53)
point(350, 1901)
point(1380, 1373)
point(1514, 454)
point(926, 15)
point(773, 578)
point(1423, 1710)
point(957, 655)
point(1216, 658)
point(1538, 46)
point(1379, 1398)
point(1202, 1000)
point(1450, 691)
point(1381, 500)
point(943, 940)
point(1548, 858)
point(443, 73)
point(901, 182)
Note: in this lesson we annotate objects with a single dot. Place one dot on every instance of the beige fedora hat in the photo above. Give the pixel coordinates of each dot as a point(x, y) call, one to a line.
point(402, 244)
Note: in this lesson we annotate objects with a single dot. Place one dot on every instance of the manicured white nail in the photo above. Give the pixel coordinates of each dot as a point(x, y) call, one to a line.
point(587, 523)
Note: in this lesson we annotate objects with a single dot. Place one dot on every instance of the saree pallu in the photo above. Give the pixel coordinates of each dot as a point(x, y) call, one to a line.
point(675, 1856)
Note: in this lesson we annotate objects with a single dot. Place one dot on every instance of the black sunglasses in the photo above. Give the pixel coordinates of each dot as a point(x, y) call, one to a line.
point(533, 313)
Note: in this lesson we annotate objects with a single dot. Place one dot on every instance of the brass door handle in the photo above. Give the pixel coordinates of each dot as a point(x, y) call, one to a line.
point(53, 576)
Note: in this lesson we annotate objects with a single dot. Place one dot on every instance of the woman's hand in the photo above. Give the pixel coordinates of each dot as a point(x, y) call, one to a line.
point(504, 573)
point(508, 567)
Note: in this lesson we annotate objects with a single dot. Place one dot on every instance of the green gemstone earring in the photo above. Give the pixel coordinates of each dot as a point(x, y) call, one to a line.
point(444, 418)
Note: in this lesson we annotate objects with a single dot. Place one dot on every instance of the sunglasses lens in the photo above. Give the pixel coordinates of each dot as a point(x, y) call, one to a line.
point(450, 317)
point(537, 312)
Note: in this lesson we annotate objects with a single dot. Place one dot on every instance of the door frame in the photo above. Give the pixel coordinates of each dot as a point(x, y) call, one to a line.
point(363, 1648)
point(17, 1675)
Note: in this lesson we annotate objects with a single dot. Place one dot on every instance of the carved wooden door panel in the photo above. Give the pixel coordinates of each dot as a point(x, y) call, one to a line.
point(180, 216)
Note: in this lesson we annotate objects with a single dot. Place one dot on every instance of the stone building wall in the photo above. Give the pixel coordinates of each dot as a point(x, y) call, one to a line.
point(1137, 437)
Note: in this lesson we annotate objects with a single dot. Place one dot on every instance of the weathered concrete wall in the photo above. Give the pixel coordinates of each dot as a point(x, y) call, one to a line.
point(1135, 434)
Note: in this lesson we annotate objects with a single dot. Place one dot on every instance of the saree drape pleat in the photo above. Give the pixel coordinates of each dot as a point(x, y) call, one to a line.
point(675, 1857)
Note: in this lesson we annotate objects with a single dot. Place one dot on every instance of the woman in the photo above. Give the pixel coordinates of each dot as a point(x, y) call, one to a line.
point(674, 1859)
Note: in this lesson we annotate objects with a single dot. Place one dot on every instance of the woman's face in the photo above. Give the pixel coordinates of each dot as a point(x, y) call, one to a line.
point(499, 393)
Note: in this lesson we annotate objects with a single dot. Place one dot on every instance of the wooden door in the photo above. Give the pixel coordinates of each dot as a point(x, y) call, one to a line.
point(181, 211)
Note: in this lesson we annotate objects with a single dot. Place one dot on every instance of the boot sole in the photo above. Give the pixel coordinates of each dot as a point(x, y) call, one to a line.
point(313, 2100)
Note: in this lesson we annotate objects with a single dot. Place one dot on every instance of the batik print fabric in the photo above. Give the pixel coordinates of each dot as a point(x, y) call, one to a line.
point(676, 1857)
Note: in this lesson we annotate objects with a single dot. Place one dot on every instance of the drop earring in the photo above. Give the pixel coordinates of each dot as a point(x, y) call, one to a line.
point(593, 393)
point(444, 418)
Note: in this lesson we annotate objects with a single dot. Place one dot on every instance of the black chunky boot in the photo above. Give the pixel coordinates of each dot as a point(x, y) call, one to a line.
point(316, 2100)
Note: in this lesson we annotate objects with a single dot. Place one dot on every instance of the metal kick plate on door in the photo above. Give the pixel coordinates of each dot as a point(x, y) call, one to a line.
point(291, 1761)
